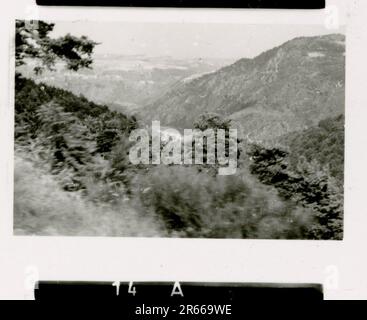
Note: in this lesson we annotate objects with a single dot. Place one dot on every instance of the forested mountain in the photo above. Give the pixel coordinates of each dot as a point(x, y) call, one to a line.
point(289, 88)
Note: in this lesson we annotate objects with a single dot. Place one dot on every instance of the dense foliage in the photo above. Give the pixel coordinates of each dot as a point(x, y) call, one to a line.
point(199, 205)
point(32, 41)
point(324, 143)
point(308, 183)
point(68, 132)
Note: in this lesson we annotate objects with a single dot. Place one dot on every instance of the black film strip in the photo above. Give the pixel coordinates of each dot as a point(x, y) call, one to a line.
point(259, 4)
point(176, 293)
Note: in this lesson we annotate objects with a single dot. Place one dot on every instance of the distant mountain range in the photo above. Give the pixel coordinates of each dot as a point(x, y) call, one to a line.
point(289, 88)
point(126, 82)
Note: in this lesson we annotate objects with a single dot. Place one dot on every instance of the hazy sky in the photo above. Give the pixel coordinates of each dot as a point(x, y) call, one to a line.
point(183, 40)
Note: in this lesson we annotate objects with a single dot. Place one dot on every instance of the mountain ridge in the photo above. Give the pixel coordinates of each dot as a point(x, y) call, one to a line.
point(288, 88)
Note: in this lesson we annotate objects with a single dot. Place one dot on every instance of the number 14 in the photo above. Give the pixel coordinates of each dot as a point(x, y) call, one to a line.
point(131, 289)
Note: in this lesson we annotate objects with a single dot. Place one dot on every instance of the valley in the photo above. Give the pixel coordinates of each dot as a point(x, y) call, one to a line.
point(126, 83)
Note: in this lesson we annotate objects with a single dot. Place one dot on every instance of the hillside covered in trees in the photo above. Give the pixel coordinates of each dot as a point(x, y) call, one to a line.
point(323, 143)
point(73, 175)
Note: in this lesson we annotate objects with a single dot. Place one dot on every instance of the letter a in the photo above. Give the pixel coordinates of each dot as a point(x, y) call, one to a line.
point(177, 290)
point(139, 153)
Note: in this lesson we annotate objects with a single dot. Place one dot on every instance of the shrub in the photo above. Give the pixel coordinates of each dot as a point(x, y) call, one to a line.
point(200, 205)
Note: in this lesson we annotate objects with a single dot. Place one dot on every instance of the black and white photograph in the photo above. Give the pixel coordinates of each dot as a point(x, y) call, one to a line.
point(179, 130)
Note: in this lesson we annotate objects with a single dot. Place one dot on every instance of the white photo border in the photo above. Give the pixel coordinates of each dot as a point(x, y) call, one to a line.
point(339, 265)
